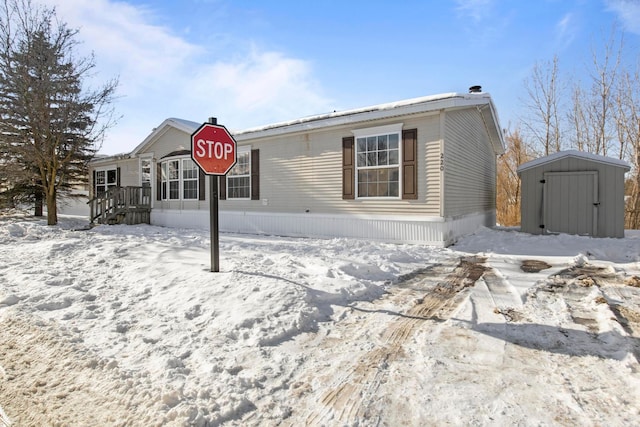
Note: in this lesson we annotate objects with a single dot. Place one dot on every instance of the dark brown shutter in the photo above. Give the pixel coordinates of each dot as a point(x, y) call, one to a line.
point(118, 177)
point(158, 181)
point(348, 168)
point(222, 187)
point(409, 164)
point(95, 184)
point(202, 179)
point(255, 174)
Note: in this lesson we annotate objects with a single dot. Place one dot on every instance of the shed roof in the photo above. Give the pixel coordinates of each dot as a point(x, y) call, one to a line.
point(573, 153)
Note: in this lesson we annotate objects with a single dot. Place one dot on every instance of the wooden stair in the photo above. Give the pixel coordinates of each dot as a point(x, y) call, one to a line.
point(122, 205)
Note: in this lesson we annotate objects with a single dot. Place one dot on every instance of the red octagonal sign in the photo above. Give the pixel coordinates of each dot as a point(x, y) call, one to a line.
point(213, 149)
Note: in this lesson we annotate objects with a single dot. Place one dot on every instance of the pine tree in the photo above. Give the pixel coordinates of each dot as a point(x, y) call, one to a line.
point(48, 121)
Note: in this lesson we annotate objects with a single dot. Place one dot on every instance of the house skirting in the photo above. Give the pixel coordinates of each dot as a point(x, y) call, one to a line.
point(433, 231)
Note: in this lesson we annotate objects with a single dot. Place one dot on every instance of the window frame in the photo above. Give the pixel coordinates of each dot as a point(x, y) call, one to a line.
point(244, 151)
point(176, 176)
point(146, 162)
point(106, 185)
point(393, 129)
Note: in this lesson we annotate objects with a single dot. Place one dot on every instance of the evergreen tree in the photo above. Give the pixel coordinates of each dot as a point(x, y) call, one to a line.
point(49, 122)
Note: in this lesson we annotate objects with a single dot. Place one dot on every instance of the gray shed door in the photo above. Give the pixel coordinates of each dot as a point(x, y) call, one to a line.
point(570, 202)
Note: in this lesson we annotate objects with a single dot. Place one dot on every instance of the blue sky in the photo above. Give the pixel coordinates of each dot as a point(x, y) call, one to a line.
point(251, 63)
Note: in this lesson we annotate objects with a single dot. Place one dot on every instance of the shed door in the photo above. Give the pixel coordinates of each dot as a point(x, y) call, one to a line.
point(571, 202)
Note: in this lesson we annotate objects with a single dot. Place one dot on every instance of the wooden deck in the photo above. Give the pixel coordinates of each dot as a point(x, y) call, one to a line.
point(122, 205)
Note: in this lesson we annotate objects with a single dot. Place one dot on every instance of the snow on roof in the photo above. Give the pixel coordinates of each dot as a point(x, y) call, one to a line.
point(336, 118)
point(573, 153)
point(421, 104)
point(184, 125)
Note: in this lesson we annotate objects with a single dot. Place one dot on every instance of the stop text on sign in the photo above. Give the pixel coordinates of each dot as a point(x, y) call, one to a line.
point(214, 149)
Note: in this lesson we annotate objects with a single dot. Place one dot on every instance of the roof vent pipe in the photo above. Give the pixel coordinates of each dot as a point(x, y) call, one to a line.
point(475, 89)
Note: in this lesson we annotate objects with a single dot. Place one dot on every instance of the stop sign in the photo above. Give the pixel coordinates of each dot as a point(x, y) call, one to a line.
point(213, 149)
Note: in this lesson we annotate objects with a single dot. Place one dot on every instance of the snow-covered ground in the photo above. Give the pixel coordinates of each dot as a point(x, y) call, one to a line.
point(126, 325)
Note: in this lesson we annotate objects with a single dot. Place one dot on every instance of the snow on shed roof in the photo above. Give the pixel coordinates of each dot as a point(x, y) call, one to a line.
point(573, 153)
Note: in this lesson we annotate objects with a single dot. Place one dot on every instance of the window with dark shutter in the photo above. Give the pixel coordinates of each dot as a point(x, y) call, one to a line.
point(255, 174)
point(409, 168)
point(348, 171)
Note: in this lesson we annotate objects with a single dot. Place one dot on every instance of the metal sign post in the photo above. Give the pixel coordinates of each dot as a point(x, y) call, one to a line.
point(213, 149)
point(213, 223)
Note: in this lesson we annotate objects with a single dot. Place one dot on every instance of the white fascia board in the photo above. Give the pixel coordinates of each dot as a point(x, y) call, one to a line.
point(382, 111)
point(180, 124)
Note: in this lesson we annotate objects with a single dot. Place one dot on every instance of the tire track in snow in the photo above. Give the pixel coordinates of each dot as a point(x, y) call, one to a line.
point(350, 398)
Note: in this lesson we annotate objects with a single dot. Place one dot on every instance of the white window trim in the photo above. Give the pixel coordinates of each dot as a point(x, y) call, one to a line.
point(375, 131)
point(142, 158)
point(378, 130)
point(241, 150)
point(180, 159)
point(106, 169)
point(182, 179)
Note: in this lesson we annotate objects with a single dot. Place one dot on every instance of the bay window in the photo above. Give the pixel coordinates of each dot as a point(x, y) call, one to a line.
point(179, 179)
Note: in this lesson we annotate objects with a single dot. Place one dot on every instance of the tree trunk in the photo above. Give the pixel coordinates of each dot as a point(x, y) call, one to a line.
point(38, 202)
point(52, 208)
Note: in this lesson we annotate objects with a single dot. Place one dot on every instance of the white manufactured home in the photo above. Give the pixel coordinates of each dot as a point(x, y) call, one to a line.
point(421, 170)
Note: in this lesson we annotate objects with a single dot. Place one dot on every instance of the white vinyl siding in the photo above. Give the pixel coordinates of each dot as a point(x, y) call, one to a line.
point(469, 164)
point(303, 173)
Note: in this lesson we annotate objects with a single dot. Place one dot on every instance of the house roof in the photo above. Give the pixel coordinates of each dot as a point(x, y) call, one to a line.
point(400, 108)
point(184, 125)
point(482, 101)
point(573, 153)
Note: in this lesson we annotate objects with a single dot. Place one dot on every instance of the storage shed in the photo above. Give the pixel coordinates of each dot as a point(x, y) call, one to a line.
point(573, 192)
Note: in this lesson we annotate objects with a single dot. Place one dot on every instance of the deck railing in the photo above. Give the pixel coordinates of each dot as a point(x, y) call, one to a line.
point(129, 205)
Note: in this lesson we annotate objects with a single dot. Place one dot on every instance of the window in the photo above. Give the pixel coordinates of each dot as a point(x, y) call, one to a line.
point(179, 180)
point(145, 172)
point(189, 179)
point(380, 162)
point(104, 180)
point(239, 177)
point(378, 165)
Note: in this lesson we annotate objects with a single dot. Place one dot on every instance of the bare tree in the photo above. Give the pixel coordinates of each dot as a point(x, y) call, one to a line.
point(508, 181)
point(545, 91)
point(578, 120)
point(597, 104)
point(50, 123)
point(627, 112)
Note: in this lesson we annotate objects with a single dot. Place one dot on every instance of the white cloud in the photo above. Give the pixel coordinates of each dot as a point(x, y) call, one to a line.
point(260, 87)
point(566, 30)
point(628, 12)
point(164, 75)
point(478, 10)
